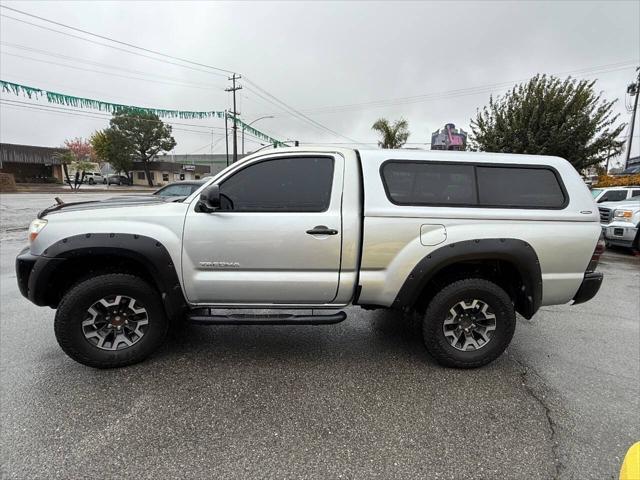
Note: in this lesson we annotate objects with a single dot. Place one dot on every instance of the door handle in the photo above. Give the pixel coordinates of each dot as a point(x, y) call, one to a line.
point(322, 230)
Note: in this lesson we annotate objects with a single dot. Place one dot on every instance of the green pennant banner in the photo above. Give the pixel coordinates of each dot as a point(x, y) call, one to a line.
point(80, 102)
point(256, 133)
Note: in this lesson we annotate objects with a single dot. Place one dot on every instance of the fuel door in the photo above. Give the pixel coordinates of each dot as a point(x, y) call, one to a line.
point(431, 235)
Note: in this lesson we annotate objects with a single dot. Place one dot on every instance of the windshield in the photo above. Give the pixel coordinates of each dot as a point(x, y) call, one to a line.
point(595, 192)
point(177, 190)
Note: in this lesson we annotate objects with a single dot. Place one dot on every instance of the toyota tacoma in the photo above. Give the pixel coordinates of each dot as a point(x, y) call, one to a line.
point(462, 240)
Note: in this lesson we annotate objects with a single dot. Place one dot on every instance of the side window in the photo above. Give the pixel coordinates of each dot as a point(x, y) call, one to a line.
point(519, 187)
point(413, 183)
point(140, 175)
point(613, 196)
point(292, 184)
point(467, 184)
point(635, 193)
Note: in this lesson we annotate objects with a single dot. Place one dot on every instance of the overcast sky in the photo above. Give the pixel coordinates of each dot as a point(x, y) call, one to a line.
point(342, 64)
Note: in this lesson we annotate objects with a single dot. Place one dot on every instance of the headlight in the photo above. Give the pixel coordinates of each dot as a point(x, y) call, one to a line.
point(35, 228)
point(623, 215)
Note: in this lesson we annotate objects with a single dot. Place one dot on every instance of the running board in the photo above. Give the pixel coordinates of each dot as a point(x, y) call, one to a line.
point(266, 319)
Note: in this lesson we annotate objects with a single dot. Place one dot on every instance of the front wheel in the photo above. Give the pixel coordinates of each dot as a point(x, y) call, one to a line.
point(111, 320)
point(469, 323)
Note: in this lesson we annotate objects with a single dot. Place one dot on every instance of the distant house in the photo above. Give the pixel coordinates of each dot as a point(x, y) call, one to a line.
point(173, 168)
point(30, 163)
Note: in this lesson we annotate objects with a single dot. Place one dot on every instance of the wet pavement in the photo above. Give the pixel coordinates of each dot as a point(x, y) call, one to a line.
point(361, 399)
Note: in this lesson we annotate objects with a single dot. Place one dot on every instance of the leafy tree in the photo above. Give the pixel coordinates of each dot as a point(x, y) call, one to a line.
point(144, 133)
point(110, 146)
point(393, 136)
point(549, 116)
point(78, 154)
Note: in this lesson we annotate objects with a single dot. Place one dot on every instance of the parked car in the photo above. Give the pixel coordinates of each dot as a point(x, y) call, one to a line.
point(615, 194)
point(621, 223)
point(93, 178)
point(465, 241)
point(114, 179)
point(180, 189)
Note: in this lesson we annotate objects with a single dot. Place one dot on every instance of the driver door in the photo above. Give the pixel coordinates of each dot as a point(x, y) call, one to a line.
point(276, 239)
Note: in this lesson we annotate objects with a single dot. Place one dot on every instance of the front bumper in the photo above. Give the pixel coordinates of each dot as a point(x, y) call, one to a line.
point(24, 266)
point(34, 275)
point(589, 287)
point(620, 233)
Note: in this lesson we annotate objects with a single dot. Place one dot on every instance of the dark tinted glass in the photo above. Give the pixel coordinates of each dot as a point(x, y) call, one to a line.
point(300, 184)
point(409, 183)
point(613, 196)
point(635, 193)
point(519, 187)
point(177, 190)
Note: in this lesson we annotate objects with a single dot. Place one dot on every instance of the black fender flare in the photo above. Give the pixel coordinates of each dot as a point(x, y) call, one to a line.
point(148, 252)
point(515, 251)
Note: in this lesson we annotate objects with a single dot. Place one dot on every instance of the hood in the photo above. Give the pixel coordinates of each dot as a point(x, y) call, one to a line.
point(630, 203)
point(115, 202)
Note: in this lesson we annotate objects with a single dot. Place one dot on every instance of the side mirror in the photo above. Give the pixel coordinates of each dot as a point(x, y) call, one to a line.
point(210, 199)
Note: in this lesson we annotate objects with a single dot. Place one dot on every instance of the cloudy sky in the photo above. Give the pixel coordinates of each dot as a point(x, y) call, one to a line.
point(324, 70)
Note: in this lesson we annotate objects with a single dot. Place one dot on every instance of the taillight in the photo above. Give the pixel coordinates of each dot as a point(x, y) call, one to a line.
point(595, 258)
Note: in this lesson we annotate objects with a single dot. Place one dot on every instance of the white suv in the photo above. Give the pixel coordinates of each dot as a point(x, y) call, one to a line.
point(615, 194)
point(93, 178)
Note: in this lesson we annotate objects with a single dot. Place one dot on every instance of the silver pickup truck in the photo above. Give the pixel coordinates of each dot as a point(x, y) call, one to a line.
point(465, 240)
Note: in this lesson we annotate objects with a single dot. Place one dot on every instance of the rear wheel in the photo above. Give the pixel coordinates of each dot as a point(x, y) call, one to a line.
point(469, 323)
point(109, 321)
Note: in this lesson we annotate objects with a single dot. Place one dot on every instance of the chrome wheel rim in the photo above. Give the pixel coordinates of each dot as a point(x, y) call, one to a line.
point(469, 326)
point(115, 323)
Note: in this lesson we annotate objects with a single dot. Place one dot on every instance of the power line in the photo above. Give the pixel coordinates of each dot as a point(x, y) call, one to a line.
point(103, 37)
point(96, 115)
point(453, 93)
point(99, 116)
point(177, 81)
point(107, 45)
point(297, 114)
point(104, 73)
point(53, 111)
point(107, 116)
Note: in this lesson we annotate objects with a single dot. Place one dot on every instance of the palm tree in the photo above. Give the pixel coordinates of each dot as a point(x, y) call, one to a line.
point(393, 136)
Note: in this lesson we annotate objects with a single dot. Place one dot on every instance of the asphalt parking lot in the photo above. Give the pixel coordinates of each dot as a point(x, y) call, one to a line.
point(361, 399)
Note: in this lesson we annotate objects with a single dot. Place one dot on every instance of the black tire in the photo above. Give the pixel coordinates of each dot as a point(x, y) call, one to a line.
point(73, 309)
point(92, 181)
point(466, 290)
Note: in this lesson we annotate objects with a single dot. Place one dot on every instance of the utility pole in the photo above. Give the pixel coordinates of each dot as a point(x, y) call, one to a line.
point(235, 113)
point(226, 137)
point(632, 89)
